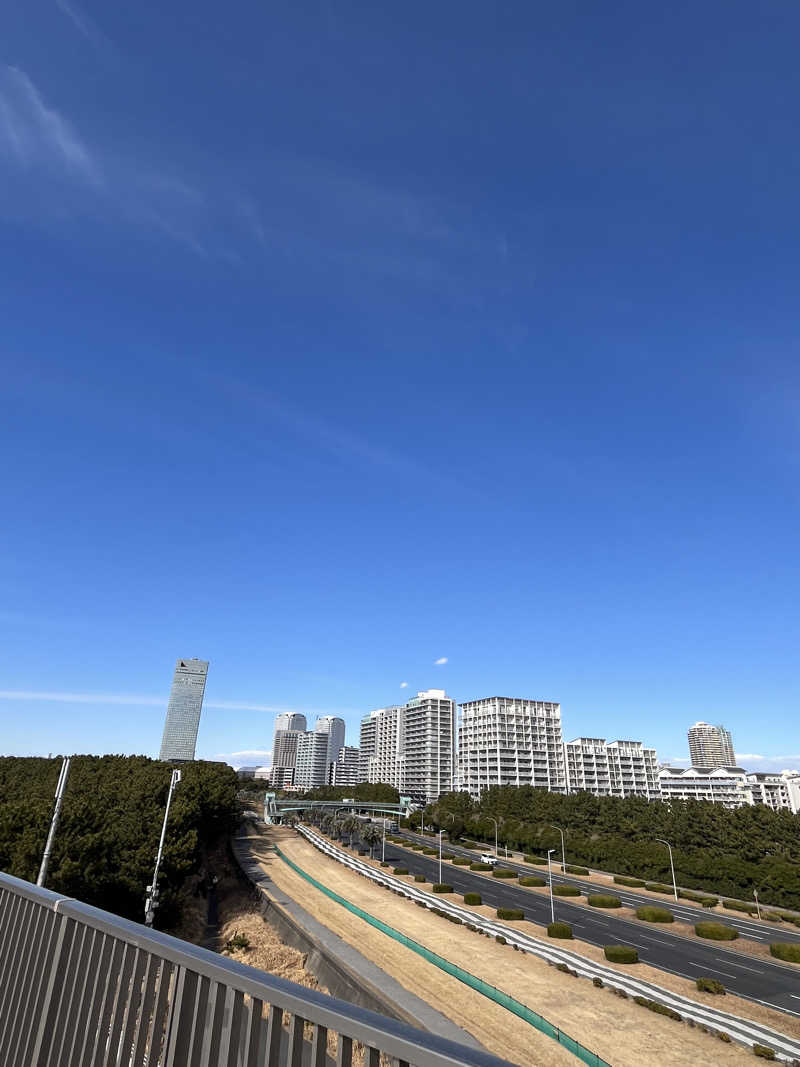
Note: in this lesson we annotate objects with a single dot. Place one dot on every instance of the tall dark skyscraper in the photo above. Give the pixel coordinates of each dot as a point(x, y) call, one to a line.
point(183, 712)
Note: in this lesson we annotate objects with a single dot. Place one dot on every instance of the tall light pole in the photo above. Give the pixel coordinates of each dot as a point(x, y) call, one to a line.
point(63, 774)
point(383, 843)
point(563, 852)
point(758, 907)
point(440, 854)
point(671, 865)
point(495, 833)
point(550, 852)
point(152, 890)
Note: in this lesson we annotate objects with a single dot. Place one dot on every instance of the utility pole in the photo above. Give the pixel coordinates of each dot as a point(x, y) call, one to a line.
point(151, 902)
point(563, 852)
point(550, 852)
point(758, 907)
point(48, 848)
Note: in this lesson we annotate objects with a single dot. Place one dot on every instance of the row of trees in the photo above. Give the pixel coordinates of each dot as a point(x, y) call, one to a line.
point(110, 824)
point(731, 852)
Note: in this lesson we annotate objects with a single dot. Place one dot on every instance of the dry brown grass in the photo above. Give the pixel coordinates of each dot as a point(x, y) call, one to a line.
point(618, 1030)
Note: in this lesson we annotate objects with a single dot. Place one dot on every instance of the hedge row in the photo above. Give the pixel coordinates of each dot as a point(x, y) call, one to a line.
point(602, 900)
point(783, 951)
point(634, 883)
point(652, 914)
point(503, 872)
point(510, 913)
point(535, 859)
point(400, 870)
point(461, 861)
point(442, 887)
point(710, 985)
point(480, 866)
point(473, 898)
point(566, 891)
point(531, 880)
point(576, 870)
point(562, 930)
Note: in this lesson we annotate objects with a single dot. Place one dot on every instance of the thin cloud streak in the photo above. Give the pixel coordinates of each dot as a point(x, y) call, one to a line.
point(86, 26)
point(135, 700)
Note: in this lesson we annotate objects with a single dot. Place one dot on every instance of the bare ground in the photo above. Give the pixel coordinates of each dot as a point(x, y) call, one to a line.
point(618, 1030)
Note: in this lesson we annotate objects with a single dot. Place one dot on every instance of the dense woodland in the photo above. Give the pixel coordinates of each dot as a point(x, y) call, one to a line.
point(722, 851)
point(110, 825)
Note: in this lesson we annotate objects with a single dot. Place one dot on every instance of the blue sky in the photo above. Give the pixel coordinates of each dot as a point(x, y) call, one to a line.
point(341, 338)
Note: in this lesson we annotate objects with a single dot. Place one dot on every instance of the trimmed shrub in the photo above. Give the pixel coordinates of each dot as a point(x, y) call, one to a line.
point(562, 930)
point(500, 939)
point(531, 880)
point(576, 870)
point(621, 954)
point(566, 891)
point(739, 905)
point(562, 967)
point(657, 887)
point(461, 861)
point(724, 1037)
point(475, 899)
point(781, 950)
point(715, 931)
point(603, 900)
point(763, 1052)
point(419, 877)
point(710, 985)
point(652, 914)
point(442, 887)
point(535, 859)
point(400, 870)
point(771, 916)
point(659, 1009)
point(597, 982)
point(480, 866)
point(510, 913)
point(503, 872)
point(697, 898)
point(634, 883)
point(430, 852)
point(384, 863)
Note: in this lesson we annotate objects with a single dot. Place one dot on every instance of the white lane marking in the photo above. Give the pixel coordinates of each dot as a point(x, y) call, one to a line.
point(599, 922)
point(794, 996)
point(778, 1006)
point(657, 940)
point(730, 963)
point(704, 967)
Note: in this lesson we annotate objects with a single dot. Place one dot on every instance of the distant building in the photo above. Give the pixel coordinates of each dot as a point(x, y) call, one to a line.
point(510, 741)
point(183, 712)
point(311, 766)
point(615, 769)
point(710, 746)
point(346, 767)
point(781, 792)
point(333, 727)
point(720, 785)
point(382, 747)
point(291, 720)
point(247, 772)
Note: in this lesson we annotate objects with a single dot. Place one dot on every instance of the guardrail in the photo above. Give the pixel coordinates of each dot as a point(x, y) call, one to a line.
point(744, 1031)
point(80, 987)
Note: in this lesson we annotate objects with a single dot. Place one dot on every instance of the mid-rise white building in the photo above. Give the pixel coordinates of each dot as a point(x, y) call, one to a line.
point(346, 767)
point(510, 741)
point(781, 792)
point(710, 746)
point(721, 785)
point(411, 746)
point(311, 766)
point(615, 769)
point(333, 727)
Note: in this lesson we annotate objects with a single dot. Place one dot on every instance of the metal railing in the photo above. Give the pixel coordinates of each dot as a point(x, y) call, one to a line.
point(80, 987)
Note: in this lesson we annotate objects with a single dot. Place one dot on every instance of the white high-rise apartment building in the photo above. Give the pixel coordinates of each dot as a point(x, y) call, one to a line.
point(311, 765)
point(411, 746)
point(615, 769)
point(333, 726)
point(510, 741)
point(183, 712)
point(710, 746)
point(345, 769)
point(291, 720)
point(430, 736)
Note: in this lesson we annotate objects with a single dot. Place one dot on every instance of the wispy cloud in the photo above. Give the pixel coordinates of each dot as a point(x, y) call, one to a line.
point(245, 756)
point(438, 662)
point(137, 700)
point(36, 135)
point(768, 763)
point(404, 685)
point(82, 22)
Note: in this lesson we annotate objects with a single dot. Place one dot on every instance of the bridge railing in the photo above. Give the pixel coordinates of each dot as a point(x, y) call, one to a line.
point(80, 987)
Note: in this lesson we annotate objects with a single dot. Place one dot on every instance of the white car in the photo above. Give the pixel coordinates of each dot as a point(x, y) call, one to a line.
point(489, 857)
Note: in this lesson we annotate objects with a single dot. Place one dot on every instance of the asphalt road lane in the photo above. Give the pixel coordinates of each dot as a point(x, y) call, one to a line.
point(681, 910)
point(775, 985)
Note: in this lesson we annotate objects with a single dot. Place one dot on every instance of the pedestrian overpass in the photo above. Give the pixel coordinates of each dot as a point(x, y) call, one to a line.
point(276, 809)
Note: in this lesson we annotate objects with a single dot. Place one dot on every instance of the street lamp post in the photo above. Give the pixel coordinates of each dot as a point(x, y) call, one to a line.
point(758, 906)
point(550, 852)
point(61, 786)
point(563, 852)
point(152, 890)
point(495, 833)
point(440, 854)
point(383, 843)
point(671, 865)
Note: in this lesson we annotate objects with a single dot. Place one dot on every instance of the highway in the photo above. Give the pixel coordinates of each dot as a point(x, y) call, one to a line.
point(683, 911)
point(773, 984)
